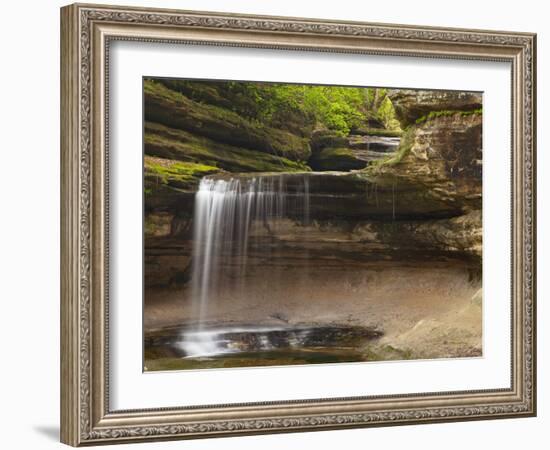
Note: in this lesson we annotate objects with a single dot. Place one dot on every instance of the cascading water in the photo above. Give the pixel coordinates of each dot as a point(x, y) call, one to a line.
point(226, 211)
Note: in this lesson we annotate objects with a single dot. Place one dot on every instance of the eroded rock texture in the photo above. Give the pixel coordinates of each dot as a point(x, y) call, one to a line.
point(396, 207)
point(412, 105)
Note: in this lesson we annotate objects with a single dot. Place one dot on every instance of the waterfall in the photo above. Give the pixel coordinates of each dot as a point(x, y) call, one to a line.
point(226, 211)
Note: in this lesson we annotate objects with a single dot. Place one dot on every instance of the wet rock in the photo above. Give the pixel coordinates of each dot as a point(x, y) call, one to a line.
point(333, 152)
point(167, 263)
point(161, 174)
point(340, 336)
point(250, 339)
point(357, 195)
point(343, 158)
point(330, 151)
point(383, 144)
point(168, 248)
point(166, 198)
point(373, 148)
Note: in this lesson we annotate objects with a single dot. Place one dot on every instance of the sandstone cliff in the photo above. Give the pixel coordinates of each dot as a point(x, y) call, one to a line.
point(419, 192)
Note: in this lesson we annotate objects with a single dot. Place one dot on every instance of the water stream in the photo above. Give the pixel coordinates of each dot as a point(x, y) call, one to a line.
point(226, 210)
point(245, 345)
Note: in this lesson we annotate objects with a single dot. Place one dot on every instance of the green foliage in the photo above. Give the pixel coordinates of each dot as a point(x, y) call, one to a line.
point(253, 126)
point(298, 108)
point(380, 107)
point(405, 145)
point(375, 97)
point(176, 111)
point(447, 113)
point(154, 87)
point(386, 113)
point(333, 107)
point(337, 108)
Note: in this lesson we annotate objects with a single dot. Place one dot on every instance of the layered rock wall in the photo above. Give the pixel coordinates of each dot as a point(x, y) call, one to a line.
point(418, 195)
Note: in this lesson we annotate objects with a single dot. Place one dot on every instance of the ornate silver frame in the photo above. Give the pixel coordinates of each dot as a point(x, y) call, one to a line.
point(86, 32)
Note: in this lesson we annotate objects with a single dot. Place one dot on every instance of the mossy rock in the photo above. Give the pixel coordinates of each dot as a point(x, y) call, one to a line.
point(157, 224)
point(175, 110)
point(447, 113)
point(364, 131)
point(180, 145)
point(185, 176)
point(442, 155)
point(321, 139)
point(230, 96)
point(411, 105)
point(374, 122)
point(404, 148)
point(199, 91)
point(340, 158)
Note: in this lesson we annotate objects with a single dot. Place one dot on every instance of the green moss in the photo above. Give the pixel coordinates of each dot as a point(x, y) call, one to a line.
point(378, 132)
point(405, 145)
point(150, 227)
point(175, 110)
point(180, 145)
point(407, 139)
point(177, 174)
point(326, 138)
point(152, 87)
point(159, 360)
point(447, 113)
point(200, 91)
point(178, 170)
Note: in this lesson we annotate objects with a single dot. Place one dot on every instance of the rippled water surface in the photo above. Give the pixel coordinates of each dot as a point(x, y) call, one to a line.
point(253, 346)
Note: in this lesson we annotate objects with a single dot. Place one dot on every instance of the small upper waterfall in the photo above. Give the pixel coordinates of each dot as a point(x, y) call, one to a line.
point(226, 211)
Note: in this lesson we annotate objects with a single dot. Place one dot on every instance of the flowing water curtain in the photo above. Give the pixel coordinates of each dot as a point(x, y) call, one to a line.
point(231, 216)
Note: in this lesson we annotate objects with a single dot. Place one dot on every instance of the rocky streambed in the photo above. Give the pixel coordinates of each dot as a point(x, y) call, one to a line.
point(282, 344)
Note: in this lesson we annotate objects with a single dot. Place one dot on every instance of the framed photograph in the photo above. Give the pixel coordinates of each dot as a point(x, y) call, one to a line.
point(277, 224)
